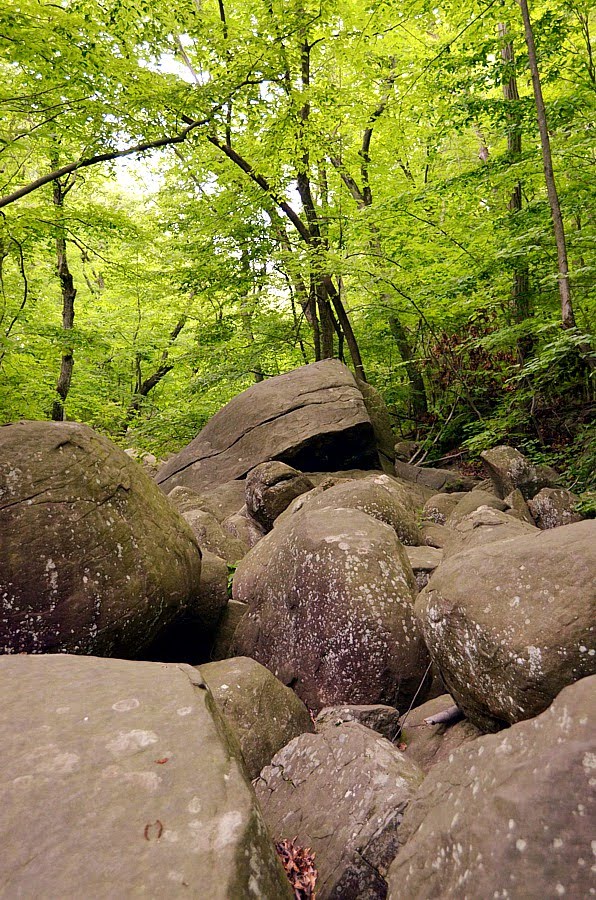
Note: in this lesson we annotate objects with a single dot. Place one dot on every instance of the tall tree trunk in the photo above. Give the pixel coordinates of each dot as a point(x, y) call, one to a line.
point(567, 314)
point(68, 299)
point(521, 276)
point(417, 388)
point(145, 385)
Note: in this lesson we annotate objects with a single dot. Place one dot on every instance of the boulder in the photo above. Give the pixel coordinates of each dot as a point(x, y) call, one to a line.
point(377, 495)
point(447, 480)
point(244, 527)
point(484, 526)
point(269, 490)
point(511, 623)
point(381, 423)
point(470, 502)
point(210, 535)
point(427, 744)
point(330, 612)
point(342, 792)
point(424, 560)
point(224, 635)
point(380, 718)
point(509, 814)
point(222, 502)
point(509, 469)
point(552, 507)
point(405, 450)
point(190, 637)
point(263, 713)
point(517, 506)
point(122, 779)
point(438, 508)
point(94, 558)
point(438, 536)
point(314, 418)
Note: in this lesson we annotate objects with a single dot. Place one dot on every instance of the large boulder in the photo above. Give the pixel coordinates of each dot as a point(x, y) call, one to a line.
point(226, 628)
point(447, 480)
point(379, 496)
point(264, 714)
point(244, 527)
point(438, 508)
point(381, 423)
point(552, 507)
point(270, 488)
point(94, 557)
point(314, 418)
point(511, 623)
point(509, 815)
point(212, 536)
point(122, 780)
point(342, 792)
point(330, 610)
point(485, 525)
point(428, 744)
point(470, 502)
point(380, 718)
point(510, 470)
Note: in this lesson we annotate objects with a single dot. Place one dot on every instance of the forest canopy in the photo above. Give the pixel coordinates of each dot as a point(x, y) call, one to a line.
point(199, 194)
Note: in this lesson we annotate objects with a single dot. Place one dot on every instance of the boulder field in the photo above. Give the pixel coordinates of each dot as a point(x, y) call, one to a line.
point(288, 640)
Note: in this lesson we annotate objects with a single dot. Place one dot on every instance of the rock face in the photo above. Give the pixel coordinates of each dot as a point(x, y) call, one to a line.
point(424, 560)
point(511, 623)
point(222, 502)
point(510, 815)
point(552, 507)
point(440, 506)
point(378, 495)
point(381, 422)
point(270, 488)
point(262, 712)
point(485, 526)
point(313, 418)
point(224, 635)
point(428, 745)
point(121, 779)
point(330, 612)
point(94, 558)
point(470, 502)
point(438, 479)
point(383, 719)
point(509, 469)
point(210, 535)
point(342, 792)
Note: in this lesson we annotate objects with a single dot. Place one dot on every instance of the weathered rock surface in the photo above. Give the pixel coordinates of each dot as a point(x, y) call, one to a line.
point(313, 418)
point(224, 635)
point(517, 506)
point(190, 637)
point(380, 718)
point(381, 423)
point(270, 488)
point(222, 502)
point(94, 558)
point(511, 623)
point(244, 527)
point(264, 714)
point(509, 469)
point(470, 502)
point(438, 536)
point(424, 560)
point(378, 495)
point(428, 745)
point(210, 535)
point(121, 779)
point(330, 610)
point(509, 815)
point(438, 508)
point(343, 792)
point(485, 526)
point(552, 507)
point(438, 479)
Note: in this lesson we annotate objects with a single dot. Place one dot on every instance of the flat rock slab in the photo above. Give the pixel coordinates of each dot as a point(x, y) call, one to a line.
point(121, 780)
point(313, 417)
point(428, 745)
point(377, 716)
point(509, 815)
point(342, 792)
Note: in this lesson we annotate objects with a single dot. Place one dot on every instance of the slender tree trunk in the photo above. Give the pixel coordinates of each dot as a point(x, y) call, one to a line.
point(68, 299)
point(145, 385)
point(400, 336)
point(567, 314)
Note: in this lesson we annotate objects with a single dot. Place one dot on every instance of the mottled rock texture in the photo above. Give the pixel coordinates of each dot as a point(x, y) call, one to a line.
point(428, 745)
point(224, 634)
point(484, 526)
point(330, 596)
point(380, 718)
point(511, 623)
point(440, 506)
point(120, 779)
point(470, 502)
point(438, 479)
point(552, 507)
point(381, 422)
point(509, 815)
point(314, 418)
point(510, 470)
point(212, 536)
point(94, 558)
point(342, 792)
point(262, 712)
point(377, 495)
point(270, 488)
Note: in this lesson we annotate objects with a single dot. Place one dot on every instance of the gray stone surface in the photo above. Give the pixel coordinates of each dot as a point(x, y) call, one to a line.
point(313, 417)
point(330, 613)
point(509, 469)
point(440, 506)
point(270, 488)
point(553, 507)
point(517, 506)
point(224, 635)
point(263, 713)
point(470, 503)
point(485, 526)
point(211, 535)
point(94, 558)
point(428, 745)
point(342, 792)
point(380, 718)
point(511, 623)
point(509, 815)
point(223, 501)
point(120, 779)
point(438, 479)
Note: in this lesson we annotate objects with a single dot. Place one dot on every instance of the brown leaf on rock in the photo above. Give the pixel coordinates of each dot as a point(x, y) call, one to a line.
point(299, 864)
